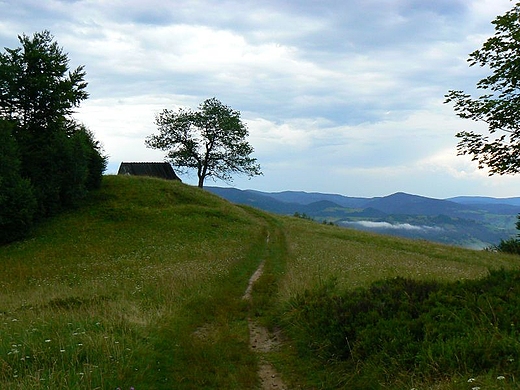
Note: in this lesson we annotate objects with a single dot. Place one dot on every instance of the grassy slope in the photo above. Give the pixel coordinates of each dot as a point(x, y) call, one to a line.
point(113, 294)
point(319, 255)
point(142, 287)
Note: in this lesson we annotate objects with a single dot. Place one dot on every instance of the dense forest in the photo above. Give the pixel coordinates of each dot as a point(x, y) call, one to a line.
point(48, 161)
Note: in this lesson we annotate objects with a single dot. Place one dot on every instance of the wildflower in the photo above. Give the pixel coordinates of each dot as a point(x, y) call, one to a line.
point(500, 378)
point(470, 380)
point(475, 388)
point(48, 340)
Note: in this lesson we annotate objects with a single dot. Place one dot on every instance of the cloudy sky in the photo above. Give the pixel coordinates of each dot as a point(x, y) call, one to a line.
point(340, 96)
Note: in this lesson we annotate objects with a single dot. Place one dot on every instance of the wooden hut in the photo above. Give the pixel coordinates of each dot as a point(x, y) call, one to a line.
point(161, 170)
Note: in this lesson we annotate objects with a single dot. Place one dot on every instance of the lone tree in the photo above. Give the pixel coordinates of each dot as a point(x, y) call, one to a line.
point(499, 107)
point(211, 140)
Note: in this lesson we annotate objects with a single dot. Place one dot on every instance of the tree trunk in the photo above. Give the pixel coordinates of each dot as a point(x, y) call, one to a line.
point(201, 181)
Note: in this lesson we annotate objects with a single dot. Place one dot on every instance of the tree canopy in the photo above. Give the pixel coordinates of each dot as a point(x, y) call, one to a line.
point(36, 87)
point(211, 141)
point(49, 161)
point(499, 106)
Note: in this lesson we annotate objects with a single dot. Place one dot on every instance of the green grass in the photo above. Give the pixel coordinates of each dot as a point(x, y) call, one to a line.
point(330, 271)
point(358, 258)
point(113, 293)
point(142, 287)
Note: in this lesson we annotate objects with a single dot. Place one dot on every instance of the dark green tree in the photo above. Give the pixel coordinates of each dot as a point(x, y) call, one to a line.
point(36, 87)
point(38, 93)
point(499, 106)
point(212, 141)
point(17, 201)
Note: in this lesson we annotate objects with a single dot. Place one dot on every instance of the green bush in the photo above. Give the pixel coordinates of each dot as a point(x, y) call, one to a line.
point(511, 245)
point(429, 330)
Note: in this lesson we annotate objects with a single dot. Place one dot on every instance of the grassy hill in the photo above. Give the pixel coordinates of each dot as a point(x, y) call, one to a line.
point(143, 287)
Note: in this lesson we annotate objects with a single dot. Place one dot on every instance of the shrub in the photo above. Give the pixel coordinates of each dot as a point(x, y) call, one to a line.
point(428, 329)
point(511, 245)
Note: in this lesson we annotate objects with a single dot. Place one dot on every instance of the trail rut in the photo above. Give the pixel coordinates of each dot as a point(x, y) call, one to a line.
point(262, 341)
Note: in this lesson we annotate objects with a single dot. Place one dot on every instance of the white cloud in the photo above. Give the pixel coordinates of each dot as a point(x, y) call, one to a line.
point(393, 226)
point(339, 96)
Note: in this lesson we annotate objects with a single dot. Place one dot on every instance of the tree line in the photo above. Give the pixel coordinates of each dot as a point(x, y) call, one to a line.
point(48, 161)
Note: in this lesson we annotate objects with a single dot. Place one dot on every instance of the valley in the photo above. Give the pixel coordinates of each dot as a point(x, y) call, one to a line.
point(470, 222)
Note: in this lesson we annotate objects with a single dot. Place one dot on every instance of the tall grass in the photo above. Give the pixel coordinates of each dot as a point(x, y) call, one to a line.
point(142, 287)
point(365, 311)
point(112, 294)
point(356, 259)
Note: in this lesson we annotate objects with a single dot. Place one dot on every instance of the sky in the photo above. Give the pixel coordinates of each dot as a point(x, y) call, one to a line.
point(339, 96)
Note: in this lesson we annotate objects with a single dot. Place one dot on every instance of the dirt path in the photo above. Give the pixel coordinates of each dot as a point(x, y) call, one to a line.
point(262, 341)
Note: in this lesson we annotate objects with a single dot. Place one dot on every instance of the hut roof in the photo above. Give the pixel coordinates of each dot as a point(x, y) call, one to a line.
point(162, 170)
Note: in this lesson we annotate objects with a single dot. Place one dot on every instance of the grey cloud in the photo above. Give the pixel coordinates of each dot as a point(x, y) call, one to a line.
point(343, 77)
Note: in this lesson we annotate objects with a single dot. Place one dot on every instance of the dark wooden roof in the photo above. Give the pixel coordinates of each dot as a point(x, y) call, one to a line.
point(162, 170)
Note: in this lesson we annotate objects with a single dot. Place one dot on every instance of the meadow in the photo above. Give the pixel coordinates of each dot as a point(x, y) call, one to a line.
point(142, 287)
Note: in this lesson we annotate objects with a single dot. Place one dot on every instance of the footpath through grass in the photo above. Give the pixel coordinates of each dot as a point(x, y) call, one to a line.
point(141, 287)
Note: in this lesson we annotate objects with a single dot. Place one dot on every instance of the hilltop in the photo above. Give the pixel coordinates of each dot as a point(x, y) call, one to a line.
point(143, 286)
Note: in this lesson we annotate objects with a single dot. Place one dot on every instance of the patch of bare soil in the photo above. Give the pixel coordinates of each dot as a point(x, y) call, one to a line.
point(262, 341)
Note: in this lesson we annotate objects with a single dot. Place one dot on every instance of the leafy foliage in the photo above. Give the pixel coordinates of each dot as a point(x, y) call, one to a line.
point(57, 160)
point(511, 245)
point(429, 330)
point(17, 201)
point(36, 89)
point(498, 108)
point(211, 141)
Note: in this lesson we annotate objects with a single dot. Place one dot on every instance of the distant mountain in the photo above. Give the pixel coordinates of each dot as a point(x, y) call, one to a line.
point(473, 222)
point(482, 200)
point(401, 203)
point(257, 199)
point(306, 198)
point(492, 205)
